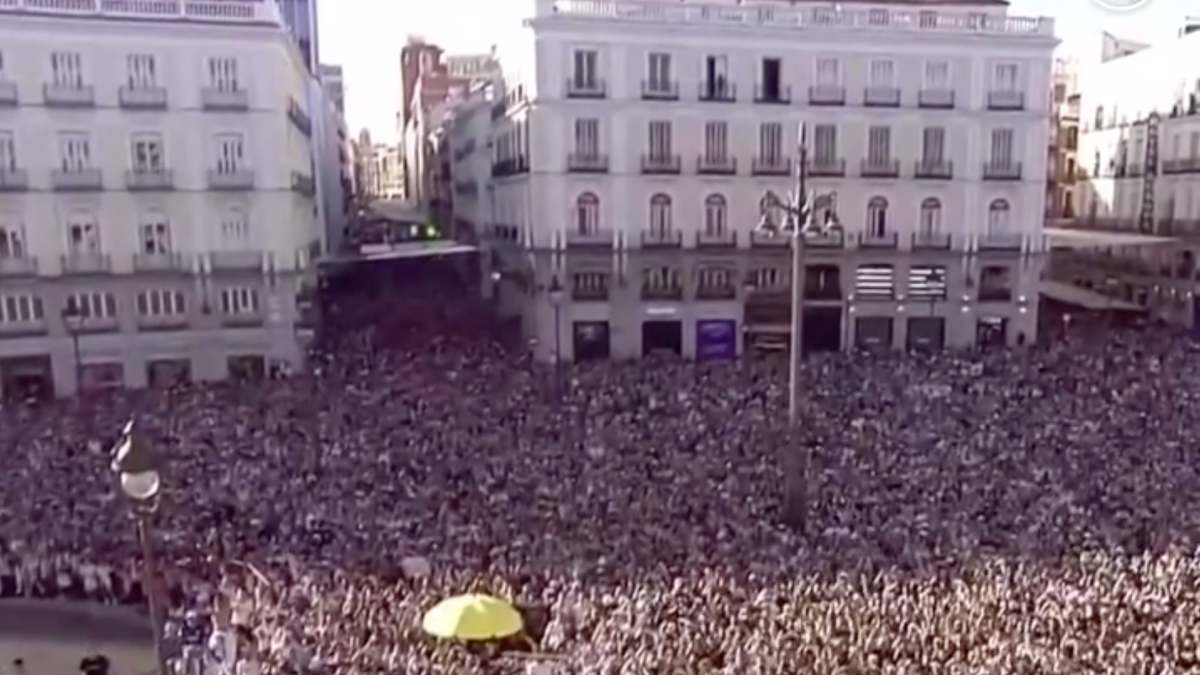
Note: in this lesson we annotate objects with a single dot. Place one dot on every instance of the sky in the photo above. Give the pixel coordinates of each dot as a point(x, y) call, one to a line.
point(365, 37)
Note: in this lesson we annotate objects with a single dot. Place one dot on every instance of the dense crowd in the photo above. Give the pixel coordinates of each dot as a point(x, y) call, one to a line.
point(1001, 512)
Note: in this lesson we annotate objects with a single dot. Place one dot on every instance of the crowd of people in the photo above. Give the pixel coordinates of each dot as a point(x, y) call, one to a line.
point(1028, 511)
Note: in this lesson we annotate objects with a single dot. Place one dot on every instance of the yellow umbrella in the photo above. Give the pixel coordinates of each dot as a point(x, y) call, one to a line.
point(472, 617)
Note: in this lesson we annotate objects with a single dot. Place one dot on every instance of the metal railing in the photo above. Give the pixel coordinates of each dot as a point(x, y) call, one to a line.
point(880, 168)
point(1002, 171)
point(241, 179)
point(212, 98)
point(207, 11)
point(779, 94)
point(661, 164)
point(587, 163)
point(149, 179)
point(598, 238)
point(68, 96)
point(662, 238)
point(881, 97)
point(931, 241)
point(825, 167)
point(726, 239)
point(719, 92)
point(159, 262)
point(142, 98)
point(18, 266)
point(86, 263)
point(1000, 242)
point(248, 260)
point(14, 180)
point(716, 165)
point(771, 165)
point(933, 168)
point(1005, 99)
point(8, 92)
point(935, 98)
point(660, 91)
point(877, 240)
point(82, 180)
point(581, 88)
point(826, 94)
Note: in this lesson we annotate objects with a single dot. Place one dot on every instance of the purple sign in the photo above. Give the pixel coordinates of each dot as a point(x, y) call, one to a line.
point(716, 340)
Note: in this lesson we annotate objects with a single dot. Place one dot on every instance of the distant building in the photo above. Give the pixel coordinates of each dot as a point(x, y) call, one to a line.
point(334, 84)
point(1064, 140)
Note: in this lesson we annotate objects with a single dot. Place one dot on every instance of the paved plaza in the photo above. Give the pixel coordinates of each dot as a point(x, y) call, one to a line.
point(52, 637)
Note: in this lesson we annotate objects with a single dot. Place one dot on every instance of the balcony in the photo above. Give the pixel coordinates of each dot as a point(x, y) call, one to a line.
point(930, 241)
point(881, 97)
point(825, 167)
point(162, 322)
point(712, 240)
point(159, 262)
point(148, 180)
point(654, 292)
point(880, 168)
point(936, 169)
point(235, 261)
point(1000, 242)
point(77, 264)
point(769, 240)
point(825, 240)
point(1006, 100)
point(303, 184)
point(775, 95)
point(771, 166)
point(224, 100)
point(827, 94)
point(584, 88)
point(662, 239)
point(240, 179)
point(1002, 171)
point(829, 290)
point(83, 180)
point(587, 163)
point(717, 92)
point(590, 292)
point(299, 118)
point(712, 165)
point(660, 91)
point(248, 319)
point(69, 96)
point(142, 98)
point(936, 98)
point(23, 328)
point(874, 240)
point(18, 266)
point(510, 167)
point(999, 294)
point(599, 238)
point(661, 164)
point(8, 92)
point(14, 180)
point(721, 292)
point(1182, 165)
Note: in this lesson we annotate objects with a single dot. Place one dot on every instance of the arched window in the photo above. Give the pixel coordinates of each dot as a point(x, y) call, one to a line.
point(587, 213)
point(83, 233)
point(714, 215)
point(877, 217)
point(156, 233)
point(931, 217)
point(660, 214)
point(998, 217)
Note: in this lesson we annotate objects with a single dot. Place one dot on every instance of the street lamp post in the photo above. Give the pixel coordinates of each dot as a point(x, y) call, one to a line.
point(73, 322)
point(137, 474)
point(557, 294)
point(798, 224)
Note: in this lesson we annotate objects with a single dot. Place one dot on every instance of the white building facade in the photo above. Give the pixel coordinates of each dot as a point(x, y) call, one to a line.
point(639, 137)
point(157, 198)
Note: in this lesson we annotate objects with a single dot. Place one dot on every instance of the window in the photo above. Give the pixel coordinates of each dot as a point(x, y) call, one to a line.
point(662, 278)
point(93, 305)
point(12, 241)
point(147, 153)
point(235, 230)
point(586, 61)
point(83, 234)
point(770, 142)
point(155, 234)
point(928, 18)
point(998, 217)
point(768, 277)
point(825, 143)
point(1002, 147)
point(933, 146)
point(587, 213)
point(223, 74)
point(716, 74)
point(772, 79)
point(937, 75)
point(66, 69)
point(714, 215)
point(8, 151)
point(1194, 145)
point(716, 141)
point(587, 137)
point(879, 146)
point(877, 217)
point(828, 72)
point(1004, 77)
point(161, 302)
point(229, 153)
point(931, 217)
point(660, 140)
point(1, 65)
point(239, 301)
point(75, 152)
point(660, 214)
point(715, 277)
point(20, 308)
point(883, 73)
point(659, 76)
point(142, 71)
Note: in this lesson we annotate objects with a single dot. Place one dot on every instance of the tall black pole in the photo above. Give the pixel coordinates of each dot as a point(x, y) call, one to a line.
point(78, 362)
point(558, 386)
point(798, 466)
point(151, 586)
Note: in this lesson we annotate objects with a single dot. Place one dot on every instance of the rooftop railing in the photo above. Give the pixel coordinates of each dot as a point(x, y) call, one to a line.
point(925, 21)
point(208, 11)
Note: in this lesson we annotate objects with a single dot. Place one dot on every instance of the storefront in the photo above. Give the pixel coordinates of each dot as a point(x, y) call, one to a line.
point(662, 337)
point(26, 377)
point(716, 340)
point(591, 340)
point(167, 373)
point(873, 333)
point(926, 334)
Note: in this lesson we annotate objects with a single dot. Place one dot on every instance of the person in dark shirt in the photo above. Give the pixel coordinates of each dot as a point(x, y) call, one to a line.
point(96, 664)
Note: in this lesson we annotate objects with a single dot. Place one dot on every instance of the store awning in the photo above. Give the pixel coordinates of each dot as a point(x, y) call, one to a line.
point(1087, 299)
point(1081, 238)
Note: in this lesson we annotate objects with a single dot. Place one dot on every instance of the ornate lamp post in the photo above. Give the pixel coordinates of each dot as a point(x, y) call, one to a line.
point(798, 225)
point(136, 469)
point(557, 296)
